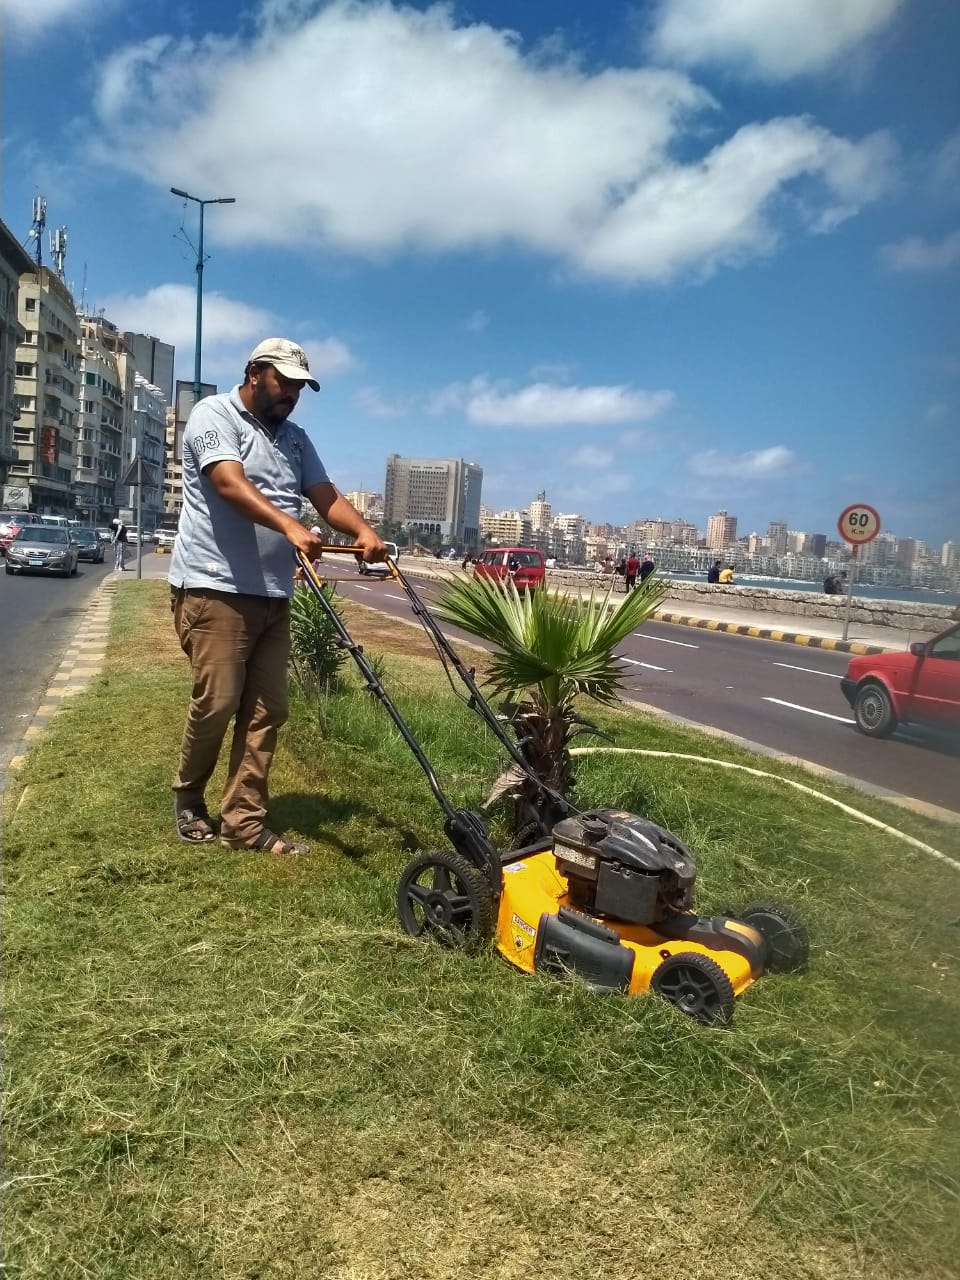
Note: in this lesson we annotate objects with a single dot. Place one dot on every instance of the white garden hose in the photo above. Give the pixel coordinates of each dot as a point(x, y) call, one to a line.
point(761, 773)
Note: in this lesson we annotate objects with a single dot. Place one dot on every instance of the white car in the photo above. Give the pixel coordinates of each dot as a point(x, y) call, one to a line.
point(166, 537)
point(381, 567)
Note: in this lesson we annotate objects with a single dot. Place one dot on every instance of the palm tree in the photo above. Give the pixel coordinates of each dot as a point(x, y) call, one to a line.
point(550, 649)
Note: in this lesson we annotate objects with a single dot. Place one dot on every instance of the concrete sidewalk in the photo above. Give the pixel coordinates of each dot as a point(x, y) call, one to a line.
point(811, 633)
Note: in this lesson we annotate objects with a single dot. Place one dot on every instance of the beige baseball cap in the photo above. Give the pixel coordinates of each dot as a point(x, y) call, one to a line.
point(286, 357)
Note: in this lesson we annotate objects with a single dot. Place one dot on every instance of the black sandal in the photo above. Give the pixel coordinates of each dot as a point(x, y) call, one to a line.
point(269, 842)
point(194, 824)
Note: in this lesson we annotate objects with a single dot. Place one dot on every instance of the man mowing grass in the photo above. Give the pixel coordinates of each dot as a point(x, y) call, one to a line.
point(245, 467)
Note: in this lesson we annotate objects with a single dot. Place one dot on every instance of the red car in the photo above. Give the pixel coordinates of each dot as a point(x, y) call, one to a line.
point(523, 565)
point(11, 522)
point(919, 686)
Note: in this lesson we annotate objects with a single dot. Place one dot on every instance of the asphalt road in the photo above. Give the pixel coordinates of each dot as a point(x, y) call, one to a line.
point(780, 696)
point(38, 618)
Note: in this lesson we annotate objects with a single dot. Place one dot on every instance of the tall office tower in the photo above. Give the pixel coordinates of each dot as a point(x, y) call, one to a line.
point(154, 360)
point(776, 537)
point(721, 531)
point(541, 513)
point(434, 495)
point(816, 545)
point(948, 555)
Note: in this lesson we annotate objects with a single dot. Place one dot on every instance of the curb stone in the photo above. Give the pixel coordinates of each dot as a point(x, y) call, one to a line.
point(82, 660)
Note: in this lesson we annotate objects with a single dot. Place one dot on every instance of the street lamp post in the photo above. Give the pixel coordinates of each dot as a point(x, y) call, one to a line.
point(185, 195)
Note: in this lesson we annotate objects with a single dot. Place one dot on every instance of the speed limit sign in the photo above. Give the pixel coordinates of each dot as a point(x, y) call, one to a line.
point(859, 524)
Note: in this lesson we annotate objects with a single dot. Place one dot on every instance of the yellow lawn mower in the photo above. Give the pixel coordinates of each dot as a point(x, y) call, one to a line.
point(603, 894)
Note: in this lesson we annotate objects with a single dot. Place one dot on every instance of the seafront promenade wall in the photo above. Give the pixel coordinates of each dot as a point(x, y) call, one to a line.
point(699, 596)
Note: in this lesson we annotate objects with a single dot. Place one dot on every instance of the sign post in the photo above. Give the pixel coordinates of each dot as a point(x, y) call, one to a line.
point(858, 524)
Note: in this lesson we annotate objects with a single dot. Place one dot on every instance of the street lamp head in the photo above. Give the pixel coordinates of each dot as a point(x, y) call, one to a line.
point(175, 191)
point(227, 200)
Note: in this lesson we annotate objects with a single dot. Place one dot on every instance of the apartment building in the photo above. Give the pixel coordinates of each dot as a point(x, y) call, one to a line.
point(434, 495)
point(508, 528)
point(47, 393)
point(148, 430)
point(14, 263)
point(721, 531)
point(104, 424)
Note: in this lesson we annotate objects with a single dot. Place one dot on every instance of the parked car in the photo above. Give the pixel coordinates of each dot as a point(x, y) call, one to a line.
point(165, 538)
point(524, 566)
point(89, 546)
point(135, 535)
point(918, 686)
point(393, 552)
point(11, 522)
point(42, 548)
point(105, 535)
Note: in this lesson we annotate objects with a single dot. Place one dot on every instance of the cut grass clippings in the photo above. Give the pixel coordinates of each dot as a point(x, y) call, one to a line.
point(232, 1065)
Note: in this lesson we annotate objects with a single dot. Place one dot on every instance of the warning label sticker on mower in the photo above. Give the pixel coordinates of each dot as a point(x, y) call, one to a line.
point(522, 924)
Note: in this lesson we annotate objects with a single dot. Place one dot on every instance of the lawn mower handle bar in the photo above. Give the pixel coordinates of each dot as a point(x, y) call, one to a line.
point(477, 701)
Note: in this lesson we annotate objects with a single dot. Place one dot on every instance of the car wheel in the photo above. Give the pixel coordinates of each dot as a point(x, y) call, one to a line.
point(873, 711)
point(9, 568)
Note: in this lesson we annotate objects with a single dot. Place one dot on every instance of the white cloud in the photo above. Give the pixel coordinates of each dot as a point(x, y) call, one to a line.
point(169, 312)
point(587, 495)
point(720, 210)
point(591, 457)
point(230, 328)
point(477, 321)
point(372, 402)
point(544, 404)
point(422, 133)
point(774, 39)
point(758, 464)
point(30, 19)
point(917, 254)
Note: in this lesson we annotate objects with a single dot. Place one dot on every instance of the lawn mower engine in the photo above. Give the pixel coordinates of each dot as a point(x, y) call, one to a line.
point(623, 867)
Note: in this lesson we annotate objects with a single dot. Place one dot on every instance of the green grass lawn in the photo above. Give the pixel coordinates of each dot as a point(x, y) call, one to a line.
point(230, 1065)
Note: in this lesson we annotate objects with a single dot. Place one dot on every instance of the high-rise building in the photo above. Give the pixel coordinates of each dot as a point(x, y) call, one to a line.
point(47, 390)
point(153, 359)
point(721, 531)
point(148, 443)
point(14, 263)
point(434, 495)
point(103, 423)
point(948, 555)
point(370, 505)
point(541, 513)
point(777, 533)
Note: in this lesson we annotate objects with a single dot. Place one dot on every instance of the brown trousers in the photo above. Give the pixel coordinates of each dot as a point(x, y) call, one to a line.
point(238, 647)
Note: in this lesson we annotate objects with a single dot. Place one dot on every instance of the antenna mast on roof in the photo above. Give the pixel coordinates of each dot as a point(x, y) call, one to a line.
point(58, 249)
point(36, 231)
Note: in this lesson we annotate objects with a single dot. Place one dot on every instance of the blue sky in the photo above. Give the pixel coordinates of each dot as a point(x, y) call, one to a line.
point(654, 258)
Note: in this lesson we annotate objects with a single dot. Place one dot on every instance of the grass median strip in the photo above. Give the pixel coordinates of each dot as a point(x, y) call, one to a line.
point(228, 1064)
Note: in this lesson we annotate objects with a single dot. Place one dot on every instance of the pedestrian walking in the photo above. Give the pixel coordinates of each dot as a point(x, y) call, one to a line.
point(119, 539)
point(630, 570)
point(245, 468)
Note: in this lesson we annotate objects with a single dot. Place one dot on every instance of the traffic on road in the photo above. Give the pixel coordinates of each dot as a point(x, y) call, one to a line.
point(776, 696)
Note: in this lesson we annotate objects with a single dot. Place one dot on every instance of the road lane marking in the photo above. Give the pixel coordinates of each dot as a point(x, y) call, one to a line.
point(831, 674)
point(361, 587)
point(662, 640)
point(649, 665)
point(811, 711)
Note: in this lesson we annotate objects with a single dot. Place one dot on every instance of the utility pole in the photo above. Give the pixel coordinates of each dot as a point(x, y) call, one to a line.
point(185, 195)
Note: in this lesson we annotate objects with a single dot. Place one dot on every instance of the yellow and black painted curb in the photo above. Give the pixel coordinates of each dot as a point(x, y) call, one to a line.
point(770, 633)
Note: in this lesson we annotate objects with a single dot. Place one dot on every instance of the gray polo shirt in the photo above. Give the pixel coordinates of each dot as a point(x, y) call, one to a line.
point(216, 546)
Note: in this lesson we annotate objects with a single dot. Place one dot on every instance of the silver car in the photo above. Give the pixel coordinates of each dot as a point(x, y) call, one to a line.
point(42, 548)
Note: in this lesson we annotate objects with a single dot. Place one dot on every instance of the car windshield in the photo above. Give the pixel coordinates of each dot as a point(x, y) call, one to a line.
point(42, 533)
point(84, 535)
point(526, 558)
